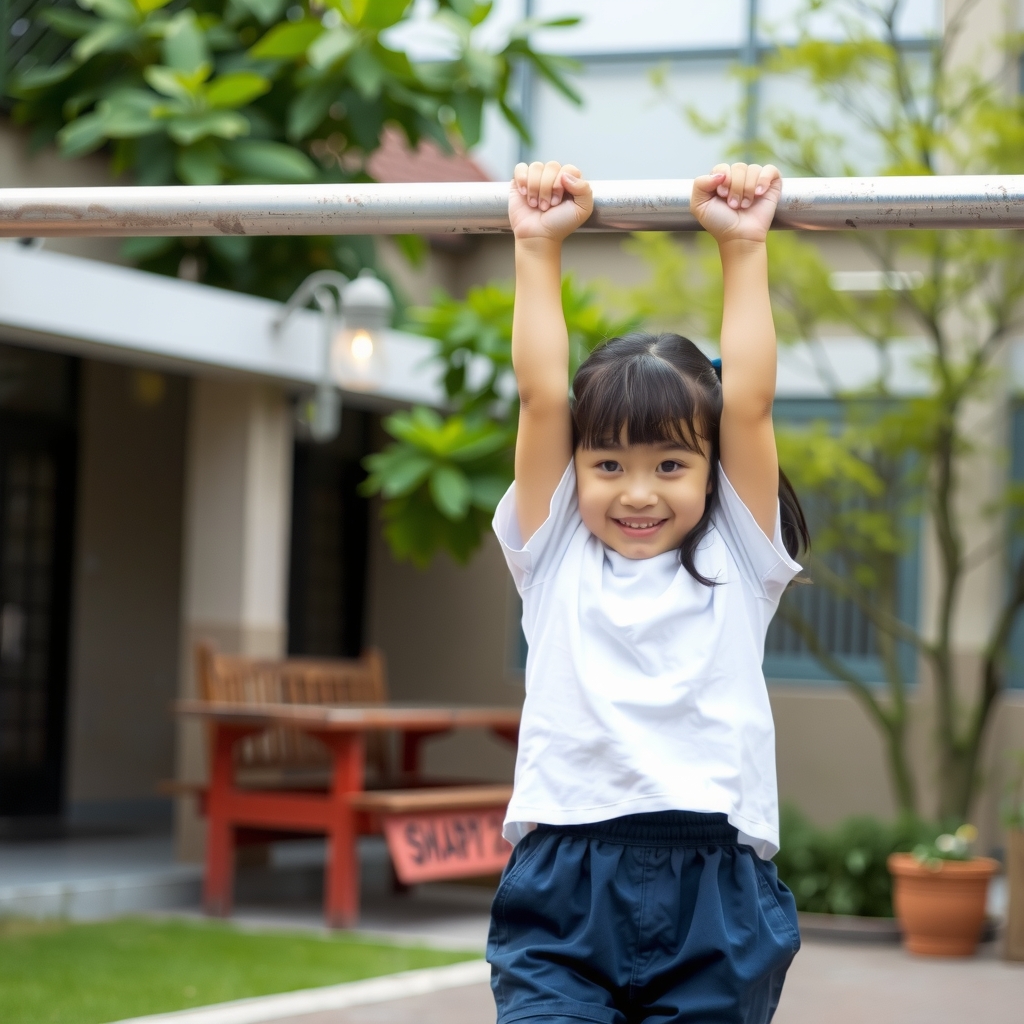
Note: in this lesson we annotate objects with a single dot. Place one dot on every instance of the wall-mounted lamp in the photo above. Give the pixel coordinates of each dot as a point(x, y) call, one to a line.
point(358, 354)
point(355, 315)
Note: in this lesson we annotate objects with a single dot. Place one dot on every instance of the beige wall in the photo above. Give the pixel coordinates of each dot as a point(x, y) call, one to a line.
point(124, 647)
point(829, 757)
point(46, 169)
point(444, 632)
point(238, 488)
point(1006, 738)
point(416, 284)
point(598, 258)
point(238, 498)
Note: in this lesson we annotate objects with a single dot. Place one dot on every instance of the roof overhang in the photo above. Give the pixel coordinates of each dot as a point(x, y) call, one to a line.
point(88, 308)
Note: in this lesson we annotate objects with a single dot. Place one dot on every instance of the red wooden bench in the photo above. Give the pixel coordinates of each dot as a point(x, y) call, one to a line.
point(282, 762)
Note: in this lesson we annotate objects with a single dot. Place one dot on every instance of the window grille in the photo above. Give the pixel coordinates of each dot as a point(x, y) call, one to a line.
point(841, 626)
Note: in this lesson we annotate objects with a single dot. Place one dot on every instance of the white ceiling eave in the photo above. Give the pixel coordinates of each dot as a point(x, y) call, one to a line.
point(85, 307)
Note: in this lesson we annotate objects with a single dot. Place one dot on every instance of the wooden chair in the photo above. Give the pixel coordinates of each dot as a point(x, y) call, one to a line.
point(283, 757)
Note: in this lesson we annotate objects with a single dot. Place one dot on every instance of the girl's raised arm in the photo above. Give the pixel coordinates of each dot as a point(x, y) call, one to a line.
point(736, 205)
point(546, 203)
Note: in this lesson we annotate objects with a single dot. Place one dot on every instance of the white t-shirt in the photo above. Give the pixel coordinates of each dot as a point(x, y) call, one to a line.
point(644, 689)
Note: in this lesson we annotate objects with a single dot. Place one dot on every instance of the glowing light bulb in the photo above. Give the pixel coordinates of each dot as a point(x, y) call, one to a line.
point(362, 347)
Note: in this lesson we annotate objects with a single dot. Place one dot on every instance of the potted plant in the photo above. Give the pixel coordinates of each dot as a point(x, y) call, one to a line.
point(1013, 819)
point(939, 893)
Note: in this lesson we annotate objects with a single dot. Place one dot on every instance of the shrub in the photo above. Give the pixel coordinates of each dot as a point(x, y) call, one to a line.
point(842, 870)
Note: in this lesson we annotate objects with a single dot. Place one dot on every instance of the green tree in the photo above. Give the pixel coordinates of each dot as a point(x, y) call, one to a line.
point(891, 457)
point(262, 91)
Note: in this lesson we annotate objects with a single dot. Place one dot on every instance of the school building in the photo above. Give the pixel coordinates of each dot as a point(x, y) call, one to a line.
point(157, 487)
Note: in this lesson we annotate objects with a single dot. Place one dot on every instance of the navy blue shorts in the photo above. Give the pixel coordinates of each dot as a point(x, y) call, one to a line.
point(651, 917)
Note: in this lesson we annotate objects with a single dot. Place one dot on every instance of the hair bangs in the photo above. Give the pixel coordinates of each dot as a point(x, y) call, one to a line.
point(643, 400)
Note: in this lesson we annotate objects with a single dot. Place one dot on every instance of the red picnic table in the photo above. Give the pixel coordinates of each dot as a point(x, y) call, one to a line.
point(345, 810)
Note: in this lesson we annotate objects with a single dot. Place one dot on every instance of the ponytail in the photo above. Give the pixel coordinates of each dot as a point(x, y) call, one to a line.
point(795, 535)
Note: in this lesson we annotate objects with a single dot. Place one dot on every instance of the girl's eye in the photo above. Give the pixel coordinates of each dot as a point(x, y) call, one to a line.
point(670, 466)
point(609, 466)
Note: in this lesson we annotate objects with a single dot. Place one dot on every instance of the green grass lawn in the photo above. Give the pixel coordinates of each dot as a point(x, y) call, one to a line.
point(62, 973)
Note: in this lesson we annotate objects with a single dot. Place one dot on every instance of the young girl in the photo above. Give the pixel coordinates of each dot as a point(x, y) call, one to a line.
point(647, 538)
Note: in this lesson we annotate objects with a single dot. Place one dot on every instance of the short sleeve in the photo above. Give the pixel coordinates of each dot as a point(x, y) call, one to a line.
point(764, 563)
point(534, 561)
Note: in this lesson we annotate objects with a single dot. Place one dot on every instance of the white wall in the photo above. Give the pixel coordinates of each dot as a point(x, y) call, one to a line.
point(46, 169)
point(628, 128)
point(609, 26)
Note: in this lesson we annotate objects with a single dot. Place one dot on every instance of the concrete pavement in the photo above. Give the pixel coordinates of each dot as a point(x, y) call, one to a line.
point(470, 1005)
point(832, 983)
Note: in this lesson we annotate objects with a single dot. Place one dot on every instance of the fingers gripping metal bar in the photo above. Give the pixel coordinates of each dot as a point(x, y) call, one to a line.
point(817, 204)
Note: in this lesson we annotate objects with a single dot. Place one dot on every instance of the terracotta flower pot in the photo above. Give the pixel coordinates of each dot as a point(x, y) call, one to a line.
point(941, 910)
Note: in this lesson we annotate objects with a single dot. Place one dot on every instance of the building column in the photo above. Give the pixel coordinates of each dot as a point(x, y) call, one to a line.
point(238, 480)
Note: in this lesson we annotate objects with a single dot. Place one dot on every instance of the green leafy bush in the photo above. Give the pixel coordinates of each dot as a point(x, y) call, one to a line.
point(442, 477)
point(842, 870)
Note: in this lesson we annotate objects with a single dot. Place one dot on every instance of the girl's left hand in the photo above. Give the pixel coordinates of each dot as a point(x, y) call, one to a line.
point(737, 202)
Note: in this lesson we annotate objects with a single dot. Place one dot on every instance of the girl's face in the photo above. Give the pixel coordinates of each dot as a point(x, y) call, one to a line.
point(641, 500)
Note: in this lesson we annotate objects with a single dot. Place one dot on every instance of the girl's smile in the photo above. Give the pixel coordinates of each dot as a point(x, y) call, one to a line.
point(640, 527)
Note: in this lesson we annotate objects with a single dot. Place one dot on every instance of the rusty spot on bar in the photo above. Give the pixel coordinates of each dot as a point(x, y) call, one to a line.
point(228, 225)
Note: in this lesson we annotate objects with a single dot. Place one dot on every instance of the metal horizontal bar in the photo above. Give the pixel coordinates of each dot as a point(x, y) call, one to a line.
point(813, 204)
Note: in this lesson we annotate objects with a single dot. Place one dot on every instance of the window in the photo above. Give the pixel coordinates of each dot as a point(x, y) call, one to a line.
point(842, 626)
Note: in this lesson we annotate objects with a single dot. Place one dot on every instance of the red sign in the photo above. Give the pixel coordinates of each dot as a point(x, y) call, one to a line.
point(452, 844)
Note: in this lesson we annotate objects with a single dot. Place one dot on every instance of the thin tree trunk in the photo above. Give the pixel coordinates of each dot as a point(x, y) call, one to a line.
point(891, 722)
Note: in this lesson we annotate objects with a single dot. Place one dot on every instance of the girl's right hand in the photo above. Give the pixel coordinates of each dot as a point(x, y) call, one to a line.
point(737, 202)
point(548, 200)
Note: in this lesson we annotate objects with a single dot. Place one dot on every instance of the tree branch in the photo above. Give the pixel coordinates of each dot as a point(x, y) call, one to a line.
point(831, 664)
point(882, 620)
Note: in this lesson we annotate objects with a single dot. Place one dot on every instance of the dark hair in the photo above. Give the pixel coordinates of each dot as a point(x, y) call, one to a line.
point(661, 389)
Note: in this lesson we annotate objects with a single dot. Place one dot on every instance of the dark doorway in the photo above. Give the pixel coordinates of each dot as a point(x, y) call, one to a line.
point(327, 584)
point(38, 393)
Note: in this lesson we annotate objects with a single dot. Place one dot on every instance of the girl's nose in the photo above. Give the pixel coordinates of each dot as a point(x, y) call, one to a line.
point(638, 497)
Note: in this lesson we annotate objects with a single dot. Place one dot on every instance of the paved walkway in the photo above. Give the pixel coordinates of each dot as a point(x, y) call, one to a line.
point(843, 984)
point(829, 983)
point(473, 1004)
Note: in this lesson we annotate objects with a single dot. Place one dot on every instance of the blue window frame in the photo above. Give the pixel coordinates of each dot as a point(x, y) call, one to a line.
point(1015, 668)
point(845, 631)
